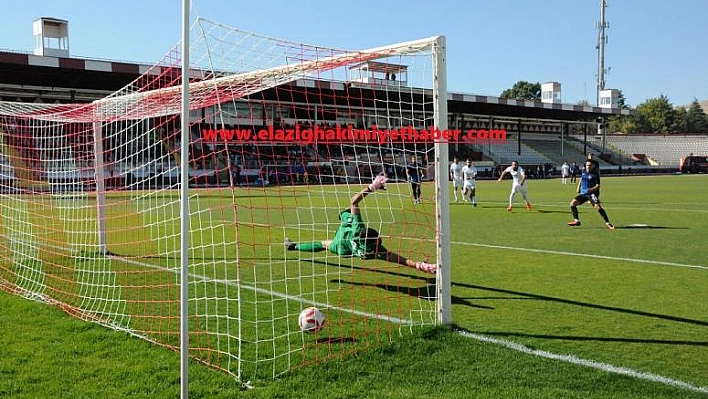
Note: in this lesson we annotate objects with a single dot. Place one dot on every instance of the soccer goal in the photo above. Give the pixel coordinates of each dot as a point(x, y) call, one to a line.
point(282, 136)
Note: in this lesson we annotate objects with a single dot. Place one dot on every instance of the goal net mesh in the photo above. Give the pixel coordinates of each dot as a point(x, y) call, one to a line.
point(90, 200)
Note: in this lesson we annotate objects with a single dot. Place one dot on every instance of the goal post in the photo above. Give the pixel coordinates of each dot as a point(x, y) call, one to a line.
point(283, 141)
point(441, 178)
point(100, 188)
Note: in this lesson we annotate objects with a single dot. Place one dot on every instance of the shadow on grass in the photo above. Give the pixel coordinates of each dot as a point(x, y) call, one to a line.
point(585, 304)
point(648, 226)
point(553, 211)
point(424, 292)
point(428, 291)
point(428, 278)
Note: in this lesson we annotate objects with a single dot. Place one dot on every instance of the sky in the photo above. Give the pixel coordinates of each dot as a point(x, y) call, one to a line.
point(654, 47)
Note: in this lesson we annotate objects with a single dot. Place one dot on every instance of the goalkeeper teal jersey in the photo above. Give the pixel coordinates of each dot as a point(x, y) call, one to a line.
point(346, 241)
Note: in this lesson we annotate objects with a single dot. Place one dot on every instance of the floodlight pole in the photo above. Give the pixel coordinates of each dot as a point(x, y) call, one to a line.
point(601, 41)
point(184, 209)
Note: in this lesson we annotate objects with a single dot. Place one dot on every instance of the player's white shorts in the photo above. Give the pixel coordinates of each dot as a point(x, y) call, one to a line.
point(469, 184)
point(456, 182)
point(518, 188)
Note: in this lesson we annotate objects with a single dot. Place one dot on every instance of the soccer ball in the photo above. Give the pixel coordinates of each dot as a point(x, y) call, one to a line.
point(311, 320)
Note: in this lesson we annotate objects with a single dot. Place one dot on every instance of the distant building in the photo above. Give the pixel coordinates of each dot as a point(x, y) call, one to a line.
point(551, 92)
point(379, 73)
point(51, 37)
point(609, 98)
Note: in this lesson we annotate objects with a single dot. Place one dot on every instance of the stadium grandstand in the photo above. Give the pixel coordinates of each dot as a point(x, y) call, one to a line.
point(659, 150)
point(538, 133)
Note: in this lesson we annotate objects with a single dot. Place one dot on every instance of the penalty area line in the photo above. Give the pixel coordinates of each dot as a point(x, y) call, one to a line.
point(548, 251)
point(586, 362)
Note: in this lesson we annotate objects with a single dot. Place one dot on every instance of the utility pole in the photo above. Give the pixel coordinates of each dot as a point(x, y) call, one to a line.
point(601, 41)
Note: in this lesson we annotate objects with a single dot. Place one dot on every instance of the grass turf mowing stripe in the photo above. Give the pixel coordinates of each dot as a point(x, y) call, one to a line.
point(587, 363)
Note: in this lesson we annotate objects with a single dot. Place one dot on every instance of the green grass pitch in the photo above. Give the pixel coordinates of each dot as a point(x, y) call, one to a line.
point(632, 298)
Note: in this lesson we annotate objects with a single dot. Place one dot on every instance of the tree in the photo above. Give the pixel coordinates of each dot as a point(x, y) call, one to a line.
point(681, 120)
point(621, 101)
point(622, 124)
point(695, 119)
point(523, 90)
point(656, 115)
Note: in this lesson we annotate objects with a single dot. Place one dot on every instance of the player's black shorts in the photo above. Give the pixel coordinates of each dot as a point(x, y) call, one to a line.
point(583, 198)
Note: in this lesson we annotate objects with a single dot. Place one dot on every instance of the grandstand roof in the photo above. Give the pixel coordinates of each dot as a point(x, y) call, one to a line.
point(29, 78)
point(49, 79)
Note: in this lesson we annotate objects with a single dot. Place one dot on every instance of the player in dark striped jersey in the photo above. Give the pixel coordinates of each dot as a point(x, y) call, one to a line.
point(589, 190)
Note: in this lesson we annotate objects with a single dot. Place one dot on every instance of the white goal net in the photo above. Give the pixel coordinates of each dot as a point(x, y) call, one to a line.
point(283, 136)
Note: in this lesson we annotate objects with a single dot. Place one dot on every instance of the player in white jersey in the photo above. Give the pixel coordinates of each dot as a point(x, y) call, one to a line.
point(469, 173)
point(565, 172)
point(456, 176)
point(518, 186)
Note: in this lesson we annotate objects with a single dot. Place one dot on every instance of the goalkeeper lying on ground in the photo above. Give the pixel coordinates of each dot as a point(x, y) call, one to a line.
point(353, 238)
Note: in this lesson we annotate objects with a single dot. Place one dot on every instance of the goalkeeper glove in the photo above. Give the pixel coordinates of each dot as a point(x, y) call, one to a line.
point(426, 267)
point(378, 183)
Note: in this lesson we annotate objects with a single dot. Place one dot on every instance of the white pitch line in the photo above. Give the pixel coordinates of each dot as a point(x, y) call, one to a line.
point(548, 251)
point(524, 349)
point(587, 363)
point(204, 279)
point(656, 209)
point(606, 205)
point(508, 344)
